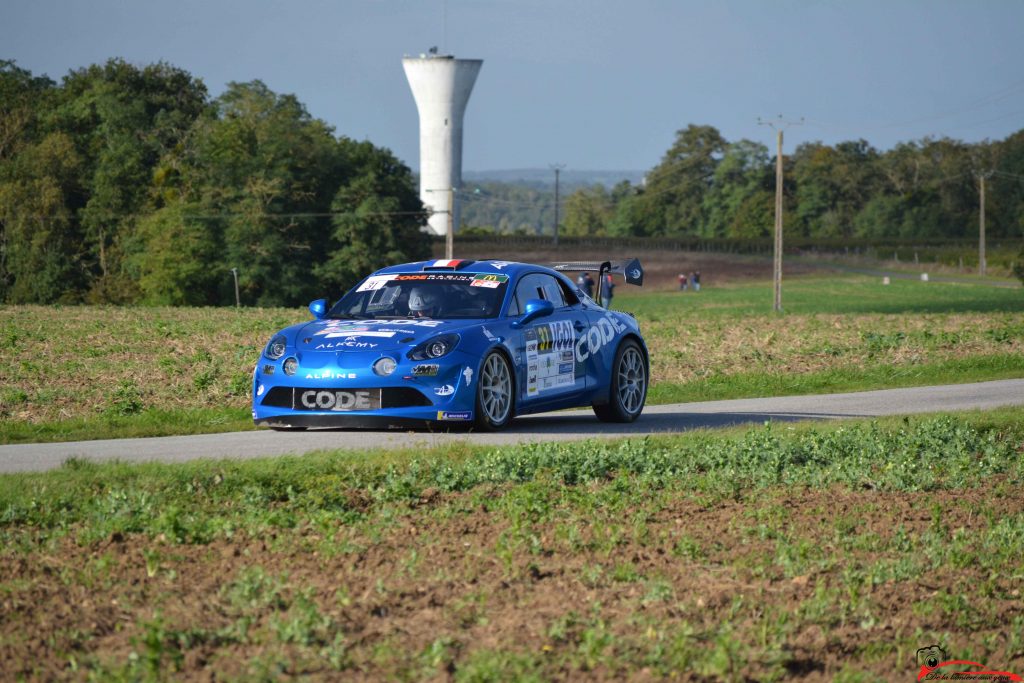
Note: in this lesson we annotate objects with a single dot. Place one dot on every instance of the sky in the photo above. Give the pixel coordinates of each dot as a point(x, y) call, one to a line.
point(591, 84)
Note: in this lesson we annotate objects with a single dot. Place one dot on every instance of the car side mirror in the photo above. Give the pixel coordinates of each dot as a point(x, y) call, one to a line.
point(318, 308)
point(535, 308)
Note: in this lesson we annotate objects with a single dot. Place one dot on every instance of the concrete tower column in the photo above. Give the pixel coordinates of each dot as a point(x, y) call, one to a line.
point(441, 86)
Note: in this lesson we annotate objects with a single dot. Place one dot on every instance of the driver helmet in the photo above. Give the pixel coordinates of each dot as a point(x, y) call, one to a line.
point(424, 302)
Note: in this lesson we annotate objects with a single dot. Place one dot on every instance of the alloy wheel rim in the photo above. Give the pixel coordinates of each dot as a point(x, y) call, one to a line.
point(496, 389)
point(632, 381)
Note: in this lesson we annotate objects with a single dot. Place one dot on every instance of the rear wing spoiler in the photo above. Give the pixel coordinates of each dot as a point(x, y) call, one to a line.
point(631, 270)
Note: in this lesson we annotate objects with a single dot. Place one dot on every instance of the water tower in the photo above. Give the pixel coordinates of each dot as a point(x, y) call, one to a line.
point(441, 86)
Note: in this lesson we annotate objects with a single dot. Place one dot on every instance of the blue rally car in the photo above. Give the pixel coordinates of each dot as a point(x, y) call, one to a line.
point(444, 342)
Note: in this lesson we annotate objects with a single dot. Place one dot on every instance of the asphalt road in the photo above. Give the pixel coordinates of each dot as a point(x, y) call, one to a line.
point(560, 426)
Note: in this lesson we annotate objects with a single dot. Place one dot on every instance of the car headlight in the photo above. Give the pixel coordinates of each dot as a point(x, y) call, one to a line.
point(275, 349)
point(385, 366)
point(434, 348)
point(290, 366)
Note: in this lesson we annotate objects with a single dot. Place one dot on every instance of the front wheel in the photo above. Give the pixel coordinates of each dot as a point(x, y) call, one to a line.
point(629, 385)
point(494, 392)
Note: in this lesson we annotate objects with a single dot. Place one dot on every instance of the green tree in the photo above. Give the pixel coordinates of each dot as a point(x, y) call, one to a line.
point(378, 220)
point(587, 212)
point(739, 181)
point(123, 119)
point(672, 201)
point(41, 247)
point(179, 259)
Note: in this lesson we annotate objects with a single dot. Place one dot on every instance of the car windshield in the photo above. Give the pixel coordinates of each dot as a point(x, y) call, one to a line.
point(445, 295)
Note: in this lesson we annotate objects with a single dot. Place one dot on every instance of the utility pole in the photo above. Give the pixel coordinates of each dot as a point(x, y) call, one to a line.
point(449, 238)
point(778, 126)
point(238, 300)
point(557, 168)
point(982, 265)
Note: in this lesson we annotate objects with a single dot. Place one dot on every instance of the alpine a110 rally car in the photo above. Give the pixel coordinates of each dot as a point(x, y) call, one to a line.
point(455, 341)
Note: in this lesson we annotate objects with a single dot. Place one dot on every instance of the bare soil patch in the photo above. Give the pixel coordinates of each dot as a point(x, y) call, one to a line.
point(796, 584)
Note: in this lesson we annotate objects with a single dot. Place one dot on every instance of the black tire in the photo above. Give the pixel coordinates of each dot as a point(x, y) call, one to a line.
point(495, 393)
point(628, 391)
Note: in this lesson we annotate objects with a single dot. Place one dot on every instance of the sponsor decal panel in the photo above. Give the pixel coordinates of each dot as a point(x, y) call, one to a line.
point(549, 357)
point(372, 328)
point(360, 333)
point(426, 370)
point(468, 374)
point(461, 416)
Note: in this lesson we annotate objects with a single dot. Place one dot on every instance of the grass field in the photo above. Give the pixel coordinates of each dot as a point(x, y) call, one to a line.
point(781, 552)
point(85, 372)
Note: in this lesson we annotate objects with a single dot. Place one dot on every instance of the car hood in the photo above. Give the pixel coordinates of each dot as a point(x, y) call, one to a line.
point(332, 336)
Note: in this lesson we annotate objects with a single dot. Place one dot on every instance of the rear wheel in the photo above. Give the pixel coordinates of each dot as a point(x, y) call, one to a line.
point(629, 385)
point(494, 392)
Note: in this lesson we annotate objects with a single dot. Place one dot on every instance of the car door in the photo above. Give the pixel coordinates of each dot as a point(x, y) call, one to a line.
point(547, 345)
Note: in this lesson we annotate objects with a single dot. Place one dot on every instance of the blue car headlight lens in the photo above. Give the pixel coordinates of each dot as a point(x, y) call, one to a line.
point(434, 348)
point(290, 366)
point(275, 349)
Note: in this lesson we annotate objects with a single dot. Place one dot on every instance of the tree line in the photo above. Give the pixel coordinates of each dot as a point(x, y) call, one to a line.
point(130, 184)
point(127, 184)
point(706, 186)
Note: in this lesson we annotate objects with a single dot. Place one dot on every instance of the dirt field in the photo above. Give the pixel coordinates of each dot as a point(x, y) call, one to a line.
point(785, 584)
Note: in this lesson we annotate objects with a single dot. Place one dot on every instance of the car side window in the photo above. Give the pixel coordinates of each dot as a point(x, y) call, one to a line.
point(540, 286)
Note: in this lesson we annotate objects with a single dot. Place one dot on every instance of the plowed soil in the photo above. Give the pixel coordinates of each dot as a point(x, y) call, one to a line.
point(456, 586)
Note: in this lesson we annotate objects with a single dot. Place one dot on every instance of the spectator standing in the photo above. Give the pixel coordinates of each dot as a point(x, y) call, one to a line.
point(695, 278)
point(682, 282)
point(607, 291)
point(586, 283)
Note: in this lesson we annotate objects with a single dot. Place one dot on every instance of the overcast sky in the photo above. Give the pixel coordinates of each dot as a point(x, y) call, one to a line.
point(593, 84)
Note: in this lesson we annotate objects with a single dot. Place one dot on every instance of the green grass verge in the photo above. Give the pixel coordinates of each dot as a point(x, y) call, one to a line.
point(898, 454)
point(149, 422)
point(838, 380)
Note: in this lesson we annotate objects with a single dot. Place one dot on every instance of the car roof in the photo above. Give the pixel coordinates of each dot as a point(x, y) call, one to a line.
point(511, 268)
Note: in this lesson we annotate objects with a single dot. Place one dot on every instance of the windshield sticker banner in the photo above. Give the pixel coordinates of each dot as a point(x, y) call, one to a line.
point(548, 354)
point(461, 278)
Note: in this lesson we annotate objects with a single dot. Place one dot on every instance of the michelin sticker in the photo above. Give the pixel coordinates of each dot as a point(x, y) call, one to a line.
point(460, 416)
point(549, 357)
point(599, 335)
point(468, 374)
